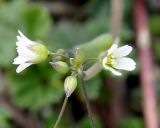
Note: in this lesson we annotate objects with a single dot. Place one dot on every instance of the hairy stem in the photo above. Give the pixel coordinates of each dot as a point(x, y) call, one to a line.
point(61, 113)
point(87, 103)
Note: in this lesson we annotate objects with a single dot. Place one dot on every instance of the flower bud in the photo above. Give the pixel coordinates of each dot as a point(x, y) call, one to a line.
point(61, 52)
point(70, 84)
point(60, 66)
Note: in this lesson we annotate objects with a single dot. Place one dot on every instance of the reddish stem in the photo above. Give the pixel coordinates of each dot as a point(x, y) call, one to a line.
point(143, 43)
point(116, 20)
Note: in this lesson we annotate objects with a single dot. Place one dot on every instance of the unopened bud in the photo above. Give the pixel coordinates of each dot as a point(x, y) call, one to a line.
point(70, 85)
point(60, 66)
point(61, 52)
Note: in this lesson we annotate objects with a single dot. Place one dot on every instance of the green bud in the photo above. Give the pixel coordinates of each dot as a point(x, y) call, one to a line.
point(70, 85)
point(60, 66)
point(41, 51)
point(61, 52)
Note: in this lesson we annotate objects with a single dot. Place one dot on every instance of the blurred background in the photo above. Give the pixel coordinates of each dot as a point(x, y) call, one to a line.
point(33, 99)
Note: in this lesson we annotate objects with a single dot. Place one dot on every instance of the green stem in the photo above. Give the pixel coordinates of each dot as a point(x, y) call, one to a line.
point(61, 113)
point(56, 54)
point(87, 103)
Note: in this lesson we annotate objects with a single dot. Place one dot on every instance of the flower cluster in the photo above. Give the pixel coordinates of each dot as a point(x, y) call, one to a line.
point(31, 52)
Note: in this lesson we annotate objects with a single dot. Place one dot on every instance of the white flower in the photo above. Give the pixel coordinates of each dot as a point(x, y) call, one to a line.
point(29, 52)
point(116, 59)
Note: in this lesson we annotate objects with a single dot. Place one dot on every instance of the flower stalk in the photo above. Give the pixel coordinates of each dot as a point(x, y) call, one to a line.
point(58, 54)
point(87, 102)
point(92, 71)
point(61, 112)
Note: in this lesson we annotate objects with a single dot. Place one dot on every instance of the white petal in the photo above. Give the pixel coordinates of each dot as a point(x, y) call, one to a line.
point(104, 61)
point(122, 51)
point(20, 60)
point(22, 39)
point(115, 72)
point(113, 48)
point(23, 66)
point(22, 36)
point(26, 52)
point(124, 63)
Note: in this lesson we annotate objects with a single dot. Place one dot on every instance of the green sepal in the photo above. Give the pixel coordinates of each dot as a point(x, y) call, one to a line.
point(41, 51)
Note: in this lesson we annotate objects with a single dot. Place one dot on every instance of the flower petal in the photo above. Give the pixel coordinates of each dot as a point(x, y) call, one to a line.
point(104, 61)
point(124, 63)
point(26, 52)
point(22, 39)
point(122, 51)
point(23, 66)
point(115, 72)
point(20, 60)
point(112, 48)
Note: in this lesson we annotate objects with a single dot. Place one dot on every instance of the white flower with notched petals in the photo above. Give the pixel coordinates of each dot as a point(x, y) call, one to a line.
point(116, 59)
point(29, 52)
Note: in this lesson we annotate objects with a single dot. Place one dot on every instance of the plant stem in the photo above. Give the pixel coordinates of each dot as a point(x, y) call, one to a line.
point(61, 113)
point(92, 71)
point(146, 63)
point(87, 102)
point(56, 54)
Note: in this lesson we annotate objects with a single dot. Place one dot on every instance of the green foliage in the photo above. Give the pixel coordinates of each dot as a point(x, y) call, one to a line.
point(131, 121)
point(33, 20)
point(93, 87)
point(5, 115)
point(154, 25)
point(51, 118)
point(40, 87)
point(156, 50)
point(85, 123)
point(36, 88)
point(91, 49)
point(68, 34)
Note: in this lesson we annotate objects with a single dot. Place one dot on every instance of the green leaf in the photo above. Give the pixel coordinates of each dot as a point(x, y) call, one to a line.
point(36, 21)
point(36, 88)
point(95, 47)
point(32, 20)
